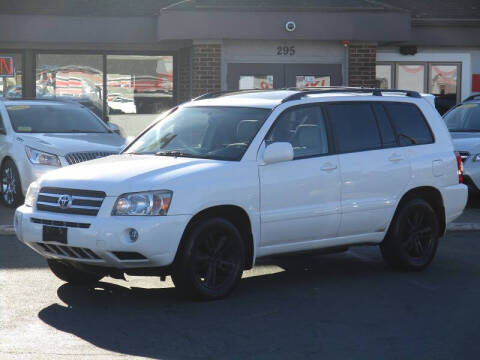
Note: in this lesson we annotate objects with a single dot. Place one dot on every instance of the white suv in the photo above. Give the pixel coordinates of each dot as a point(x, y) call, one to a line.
point(226, 179)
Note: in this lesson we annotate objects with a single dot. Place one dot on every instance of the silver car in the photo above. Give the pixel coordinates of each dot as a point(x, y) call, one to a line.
point(463, 121)
point(37, 136)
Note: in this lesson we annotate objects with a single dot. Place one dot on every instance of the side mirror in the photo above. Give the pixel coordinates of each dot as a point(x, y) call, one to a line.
point(278, 152)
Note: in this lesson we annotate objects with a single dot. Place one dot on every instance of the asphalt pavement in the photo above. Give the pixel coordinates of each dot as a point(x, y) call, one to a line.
point(339, 306)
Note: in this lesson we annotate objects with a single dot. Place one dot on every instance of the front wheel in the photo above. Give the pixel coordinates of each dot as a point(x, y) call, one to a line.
point(11, 188)
point(412, 240)
point(71, 274)
point(211, 261)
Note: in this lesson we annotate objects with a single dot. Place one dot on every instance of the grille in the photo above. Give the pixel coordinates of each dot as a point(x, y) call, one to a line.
point(68, 251)
point(60, 223)
point(83, 202)
point(464, 155)
point(78, 157)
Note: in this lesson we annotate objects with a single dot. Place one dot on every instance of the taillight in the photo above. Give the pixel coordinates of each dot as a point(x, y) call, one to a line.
point(459, 167)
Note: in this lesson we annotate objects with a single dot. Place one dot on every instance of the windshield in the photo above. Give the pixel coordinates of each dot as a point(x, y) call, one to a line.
point(465, 117)
point(54, 118)
point(222, 133)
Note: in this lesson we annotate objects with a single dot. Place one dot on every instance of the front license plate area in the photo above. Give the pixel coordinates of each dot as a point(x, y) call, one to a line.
point(54, 234)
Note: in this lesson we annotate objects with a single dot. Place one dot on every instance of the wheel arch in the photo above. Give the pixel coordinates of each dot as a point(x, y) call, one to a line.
point(233, 213)
point(431, 195)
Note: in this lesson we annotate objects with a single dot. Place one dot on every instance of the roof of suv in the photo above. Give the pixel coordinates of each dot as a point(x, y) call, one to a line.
point(8, 102)
point(271, 98)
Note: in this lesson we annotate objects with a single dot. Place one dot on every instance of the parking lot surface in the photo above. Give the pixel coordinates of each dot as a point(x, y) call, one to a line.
point(339, 306)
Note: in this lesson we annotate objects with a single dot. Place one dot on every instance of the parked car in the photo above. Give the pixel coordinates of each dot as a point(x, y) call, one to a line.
point(463, 121)
point(222, 181)
point(37, 136)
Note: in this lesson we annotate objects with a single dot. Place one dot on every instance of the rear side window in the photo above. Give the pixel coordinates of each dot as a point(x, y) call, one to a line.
point(410, 124)
point(354, 127)
point(386, 130)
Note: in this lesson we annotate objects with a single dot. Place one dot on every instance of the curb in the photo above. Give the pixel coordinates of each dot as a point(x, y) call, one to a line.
point(463, 227)
point(7, 230)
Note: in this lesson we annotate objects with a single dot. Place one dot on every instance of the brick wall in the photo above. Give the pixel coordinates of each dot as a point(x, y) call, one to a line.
point(361, 65)
point(206, 68)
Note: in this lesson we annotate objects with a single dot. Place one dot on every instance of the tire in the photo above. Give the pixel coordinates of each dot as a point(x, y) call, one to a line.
point(412, 240)
point(11, 189)
point(71, 274)
point(210, 261)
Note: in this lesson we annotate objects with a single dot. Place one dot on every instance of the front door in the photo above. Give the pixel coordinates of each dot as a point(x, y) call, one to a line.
point(245, 76)
point(300, 199)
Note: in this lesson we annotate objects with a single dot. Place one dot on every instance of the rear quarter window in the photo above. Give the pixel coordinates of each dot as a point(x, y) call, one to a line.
point(409, 123)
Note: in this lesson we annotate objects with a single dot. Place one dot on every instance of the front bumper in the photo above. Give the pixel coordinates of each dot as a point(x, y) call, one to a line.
point(106, 242)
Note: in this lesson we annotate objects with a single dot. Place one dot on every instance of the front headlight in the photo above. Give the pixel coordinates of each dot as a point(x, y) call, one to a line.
point(32, 193)
point(143, 203)
point(476, 158)
point(41, 158)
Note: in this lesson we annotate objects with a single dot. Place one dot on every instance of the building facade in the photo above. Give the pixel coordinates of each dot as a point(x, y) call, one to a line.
point(130, 60)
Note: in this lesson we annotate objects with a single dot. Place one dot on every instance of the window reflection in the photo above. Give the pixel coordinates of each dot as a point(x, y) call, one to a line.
point(138, 84)
point(71, 77)
point(384, 76)
point(311, 81)
point(11, 85)
point(257, 82)
point(411, 77)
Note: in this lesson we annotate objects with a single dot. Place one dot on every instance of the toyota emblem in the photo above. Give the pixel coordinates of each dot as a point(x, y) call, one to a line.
point(65, 201)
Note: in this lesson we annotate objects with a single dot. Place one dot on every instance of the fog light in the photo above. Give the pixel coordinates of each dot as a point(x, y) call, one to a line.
point(133, 234)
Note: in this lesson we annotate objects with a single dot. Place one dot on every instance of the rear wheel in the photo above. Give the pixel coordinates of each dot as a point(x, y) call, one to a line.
point(412, 240)
point(211, 261)
point(66, 272)
point(10, 182)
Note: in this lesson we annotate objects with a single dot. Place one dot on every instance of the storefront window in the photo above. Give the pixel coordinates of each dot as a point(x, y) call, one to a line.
point(411, 77)
point(138, 84)
point(10, 75)
point(384, 76)
point(71, 77)
point(442, 83)
point(248, 82)
point(310, 81)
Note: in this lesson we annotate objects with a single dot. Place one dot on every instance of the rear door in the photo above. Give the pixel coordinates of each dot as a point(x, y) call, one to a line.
point(374, 170)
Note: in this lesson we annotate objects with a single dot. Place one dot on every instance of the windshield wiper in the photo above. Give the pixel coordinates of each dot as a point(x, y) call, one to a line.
point(176, 154)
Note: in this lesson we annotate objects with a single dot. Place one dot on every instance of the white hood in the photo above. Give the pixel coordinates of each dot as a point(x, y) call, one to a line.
point(62, 144)
point(120, 174)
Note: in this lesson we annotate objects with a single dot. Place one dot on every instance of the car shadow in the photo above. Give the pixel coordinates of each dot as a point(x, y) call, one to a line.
point(262, 316)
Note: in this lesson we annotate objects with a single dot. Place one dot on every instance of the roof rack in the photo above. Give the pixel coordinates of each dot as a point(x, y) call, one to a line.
point(215, 94)
point(473, 97)
point(327, 90)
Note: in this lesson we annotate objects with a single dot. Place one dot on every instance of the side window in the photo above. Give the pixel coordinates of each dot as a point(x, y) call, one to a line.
point(386, 130)
point(409, 123)
point(304, 128)
point(354, 127)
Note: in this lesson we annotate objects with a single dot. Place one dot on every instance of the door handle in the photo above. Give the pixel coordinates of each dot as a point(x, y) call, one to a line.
point(328, 167)
point(395, 157)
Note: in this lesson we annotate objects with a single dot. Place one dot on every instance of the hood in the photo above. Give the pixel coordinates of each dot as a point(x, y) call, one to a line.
point(466, 141)
point(119, 174)
point(63, 144)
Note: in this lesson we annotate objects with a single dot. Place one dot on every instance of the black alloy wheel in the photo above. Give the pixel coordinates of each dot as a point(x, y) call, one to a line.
point(412, 240)
point(211, 261)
